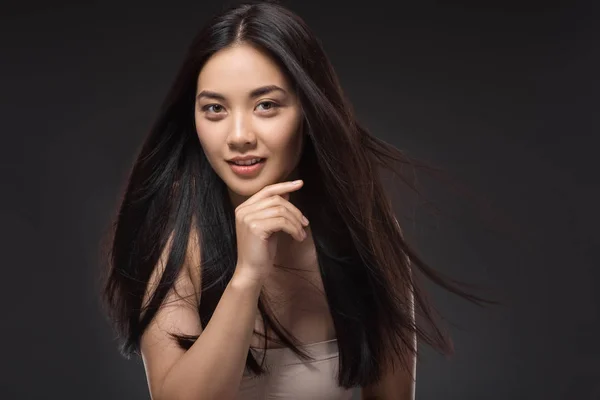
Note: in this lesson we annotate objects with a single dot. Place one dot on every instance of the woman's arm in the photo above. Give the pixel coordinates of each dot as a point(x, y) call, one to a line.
point(213, 367)
point(397, 385)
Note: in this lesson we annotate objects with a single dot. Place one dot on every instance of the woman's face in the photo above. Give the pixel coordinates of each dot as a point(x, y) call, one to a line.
point(245, 106)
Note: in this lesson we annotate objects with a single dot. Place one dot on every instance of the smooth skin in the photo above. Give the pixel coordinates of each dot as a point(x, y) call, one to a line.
point(246, 106)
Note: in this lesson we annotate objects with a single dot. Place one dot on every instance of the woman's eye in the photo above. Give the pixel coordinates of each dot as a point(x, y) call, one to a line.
point(269, 105)
point(216, 108)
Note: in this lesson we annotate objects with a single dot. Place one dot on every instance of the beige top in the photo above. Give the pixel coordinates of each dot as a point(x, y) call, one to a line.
point(291, 377)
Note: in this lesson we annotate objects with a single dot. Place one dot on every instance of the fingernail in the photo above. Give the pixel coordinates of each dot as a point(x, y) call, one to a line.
point(304, 220)
point(297, 182)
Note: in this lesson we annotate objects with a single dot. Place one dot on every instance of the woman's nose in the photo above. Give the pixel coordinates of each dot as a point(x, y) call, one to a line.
point(241, 131)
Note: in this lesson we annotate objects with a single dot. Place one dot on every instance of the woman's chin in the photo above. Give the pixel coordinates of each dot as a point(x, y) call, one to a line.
point(239, 193)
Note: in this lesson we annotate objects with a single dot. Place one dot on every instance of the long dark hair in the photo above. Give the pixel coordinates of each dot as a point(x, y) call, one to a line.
point(364, 260)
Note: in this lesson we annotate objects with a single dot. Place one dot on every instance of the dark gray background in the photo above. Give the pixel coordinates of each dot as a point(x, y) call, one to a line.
point(504, 98)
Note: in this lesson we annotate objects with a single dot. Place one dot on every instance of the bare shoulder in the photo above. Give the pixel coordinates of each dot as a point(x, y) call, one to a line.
point(178, 314)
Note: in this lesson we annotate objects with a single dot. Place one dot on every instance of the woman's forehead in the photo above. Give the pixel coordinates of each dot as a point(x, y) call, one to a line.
point(240, 68)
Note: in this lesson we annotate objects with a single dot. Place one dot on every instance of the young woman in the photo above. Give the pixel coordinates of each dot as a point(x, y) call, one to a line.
point(232, 279)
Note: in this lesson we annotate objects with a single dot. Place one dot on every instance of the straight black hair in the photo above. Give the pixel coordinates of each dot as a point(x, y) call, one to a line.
point(364, 260)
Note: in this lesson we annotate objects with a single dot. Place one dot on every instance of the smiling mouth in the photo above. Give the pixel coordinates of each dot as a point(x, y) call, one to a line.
point(260, 160)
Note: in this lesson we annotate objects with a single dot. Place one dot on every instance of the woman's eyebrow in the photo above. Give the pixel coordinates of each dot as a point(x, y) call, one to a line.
point(253, 94)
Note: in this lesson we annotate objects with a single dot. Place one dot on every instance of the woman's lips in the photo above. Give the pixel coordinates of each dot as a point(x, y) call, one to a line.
point(247, 170)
